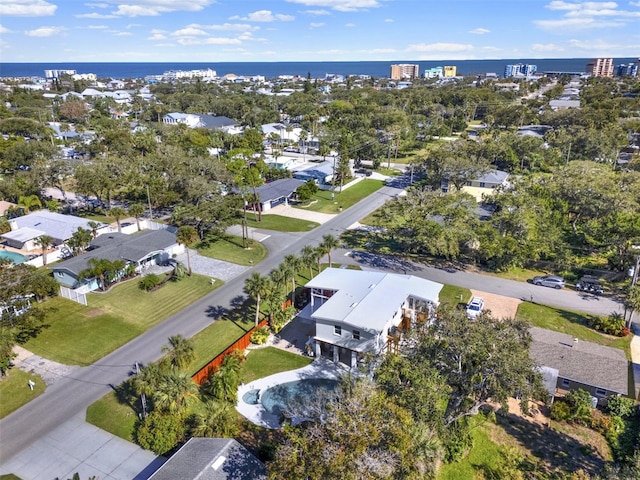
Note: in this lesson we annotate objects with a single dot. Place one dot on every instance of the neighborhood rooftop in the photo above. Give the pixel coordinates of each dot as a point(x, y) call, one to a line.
point(580, 361)
point(363, 297)
point(60, 227)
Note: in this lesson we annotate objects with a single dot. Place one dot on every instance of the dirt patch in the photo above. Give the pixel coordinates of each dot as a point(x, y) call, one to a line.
point(500, 306)
point(95, 312)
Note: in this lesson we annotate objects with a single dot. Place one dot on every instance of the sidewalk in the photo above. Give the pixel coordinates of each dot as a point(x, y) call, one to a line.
point(49, 370)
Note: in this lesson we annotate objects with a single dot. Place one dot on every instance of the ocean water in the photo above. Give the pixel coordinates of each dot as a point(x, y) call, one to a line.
point(274, 69)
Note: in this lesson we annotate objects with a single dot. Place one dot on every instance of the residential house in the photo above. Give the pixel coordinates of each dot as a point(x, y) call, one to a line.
point(356, 312)
point(144, 249)
point(25, 229)
point(211, 459)
point(321, 173)
point(193, 120)
point(482, 186)
point(277, 192)
point(602, 371)
point(287, 135)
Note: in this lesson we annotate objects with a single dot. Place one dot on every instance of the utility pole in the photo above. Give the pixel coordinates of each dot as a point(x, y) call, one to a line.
point(149, 201)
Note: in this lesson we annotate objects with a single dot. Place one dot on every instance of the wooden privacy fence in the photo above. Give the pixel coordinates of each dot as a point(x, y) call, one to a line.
point(243, 342)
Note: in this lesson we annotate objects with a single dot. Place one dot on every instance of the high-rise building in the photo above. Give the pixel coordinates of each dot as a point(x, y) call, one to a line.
point(435, 72)
point(520, 70)
point(600, 67)
point(449, 70)
point(628, 69)
point(404, 71)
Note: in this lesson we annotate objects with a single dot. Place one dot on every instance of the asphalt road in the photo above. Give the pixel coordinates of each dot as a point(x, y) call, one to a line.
point(75, 393)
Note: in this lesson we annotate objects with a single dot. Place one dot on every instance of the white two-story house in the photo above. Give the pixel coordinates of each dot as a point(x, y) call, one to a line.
point(357, 312)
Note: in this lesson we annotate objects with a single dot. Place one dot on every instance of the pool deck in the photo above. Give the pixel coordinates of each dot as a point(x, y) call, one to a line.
point(320, 368)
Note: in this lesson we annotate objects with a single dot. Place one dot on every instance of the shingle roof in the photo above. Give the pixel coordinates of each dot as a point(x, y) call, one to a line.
point(211, 459)
point(118, 246)
point(493, 176)
point(282, 187)
point(210, 121)
point(583, 362)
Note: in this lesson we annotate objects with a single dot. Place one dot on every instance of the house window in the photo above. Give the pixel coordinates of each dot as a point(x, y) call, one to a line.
point(468, 184)
point(565, 383)
point(337, 330)
point(482, 185)
point(356, 334)
point(601, 392)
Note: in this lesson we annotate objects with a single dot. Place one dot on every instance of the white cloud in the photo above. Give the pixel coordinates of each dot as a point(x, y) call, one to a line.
point(265, 16)
point(157, 35)
point(189, 32)
point(560, 5)
point(133, 25)
point(546, 47)
point(96, 5)
point(27, 8)
point(439, 47)
point(95, 15)
point(4, 29)
point(634, 4)
point(316, 13)
point(317, 24)
point(479, 31)
point(139, 11)
point(388, 20)
point(45, 31)
point(226, 27)
point(117, 33)
point(209, 41)
point(586, 15)
point(576, 24)
point(340, 5)
point(97, 27)
point(349, 25)
point(152, 8)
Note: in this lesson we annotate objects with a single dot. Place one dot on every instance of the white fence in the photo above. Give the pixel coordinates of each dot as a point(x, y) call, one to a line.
point(78, 295)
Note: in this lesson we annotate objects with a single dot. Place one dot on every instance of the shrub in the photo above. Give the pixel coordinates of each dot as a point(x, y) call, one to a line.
point(614, 324)
point(621, 406)
point(579, 402)
point(160, 433)
point(149, 282)
point(260, 336)
point(560, 411)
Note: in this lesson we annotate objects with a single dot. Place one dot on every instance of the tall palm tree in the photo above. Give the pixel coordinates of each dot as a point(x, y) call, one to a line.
point(223, 384)
point(44, 242)
point(137, 210)
point(219, 419)
point(147, 381)
point(329, 242)
point(94, 226)
point(174, 392)
point(180, 352)
point(256, 287)
point(308, 258)
point(118, 213)
point(30, 203)
point(291, 264)
point(98, 268)
point(186, 236)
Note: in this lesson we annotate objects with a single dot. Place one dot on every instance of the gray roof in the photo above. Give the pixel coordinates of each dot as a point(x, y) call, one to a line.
point(58, 226)
point(210, 121)
point(494, 176)
point(368, 299)
point(23, 235)
point(283, 187)
point(319, 171)
point(118, 246)
point(211, 459)
point(582, 362)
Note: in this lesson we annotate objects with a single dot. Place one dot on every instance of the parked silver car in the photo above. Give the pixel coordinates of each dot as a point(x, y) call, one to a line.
point(552, 281)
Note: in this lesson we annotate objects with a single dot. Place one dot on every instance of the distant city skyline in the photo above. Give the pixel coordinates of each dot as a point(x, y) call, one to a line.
point(315, 30)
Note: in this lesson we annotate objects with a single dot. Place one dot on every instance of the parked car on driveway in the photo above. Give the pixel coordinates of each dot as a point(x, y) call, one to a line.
point(474, 307)
point(552, 281)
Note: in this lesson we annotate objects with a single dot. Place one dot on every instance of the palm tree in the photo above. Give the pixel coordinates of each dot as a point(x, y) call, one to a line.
point(319, 253)
point(147, 381)
point(174, 392)
point(223, 384)
point(94, 226)
point(186, 236)
point(256, 286)
point(44, 242)
point(99, 268)
point(118, 213)
point(329, 242)
point(30, 203)
point(136, 210)
point(180, 352)
point(219, 419)
point(291, 263)
point(308, 258)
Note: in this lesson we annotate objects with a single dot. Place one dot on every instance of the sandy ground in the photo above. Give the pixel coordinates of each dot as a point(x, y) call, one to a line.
point(501, 307)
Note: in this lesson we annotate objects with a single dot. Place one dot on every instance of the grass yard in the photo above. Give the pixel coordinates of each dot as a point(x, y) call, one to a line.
point(322, 200)
point(111, 415)
point(266, 361)
point(571, 323)
point(454, 295)
point(79, 335)
point(15, 391)
point(231, 249)
point(281, 224)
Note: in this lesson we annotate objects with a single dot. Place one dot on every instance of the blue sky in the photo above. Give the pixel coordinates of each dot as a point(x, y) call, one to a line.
point(314, 30)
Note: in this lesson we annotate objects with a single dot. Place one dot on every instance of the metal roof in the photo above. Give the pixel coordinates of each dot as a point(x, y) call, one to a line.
point(23, 235)
point(58, 226)
point(369, 299)
point(581, 361)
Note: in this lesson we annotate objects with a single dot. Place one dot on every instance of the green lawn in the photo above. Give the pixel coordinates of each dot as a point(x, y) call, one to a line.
point(322, 200)
point(484, 453)
point(454, 295)
point(266, 361)
point(113, 416)
point(79, 335)
point(15, 391)
point(281, 224)
point(231, 249)
point(571, 323)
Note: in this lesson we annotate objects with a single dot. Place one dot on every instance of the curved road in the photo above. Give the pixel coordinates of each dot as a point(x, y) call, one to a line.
point(74, 394)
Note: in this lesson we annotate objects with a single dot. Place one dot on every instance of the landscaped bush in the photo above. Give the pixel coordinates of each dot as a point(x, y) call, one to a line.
point(149, 282)
point(560, 411)
point(621, 406)
point(614, 324)
point(160, 432)
point(260, 336)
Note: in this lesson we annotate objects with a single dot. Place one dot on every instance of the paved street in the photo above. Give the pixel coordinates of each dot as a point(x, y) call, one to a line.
point(70, 396)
